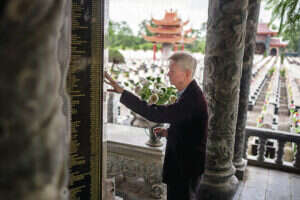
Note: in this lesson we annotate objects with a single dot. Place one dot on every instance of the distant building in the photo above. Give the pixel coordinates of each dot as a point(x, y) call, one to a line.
point(266, 42)
point(170, 33)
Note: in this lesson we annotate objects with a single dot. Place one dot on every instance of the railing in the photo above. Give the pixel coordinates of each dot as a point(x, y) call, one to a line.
point(280, 138)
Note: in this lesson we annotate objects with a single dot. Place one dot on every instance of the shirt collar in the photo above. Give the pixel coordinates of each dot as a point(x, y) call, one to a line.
point(179, 93)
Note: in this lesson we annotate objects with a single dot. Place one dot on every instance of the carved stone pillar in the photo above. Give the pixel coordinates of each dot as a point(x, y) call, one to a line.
point(252, 20)
point(226, 30)
point(298, 48)
point(33, 124)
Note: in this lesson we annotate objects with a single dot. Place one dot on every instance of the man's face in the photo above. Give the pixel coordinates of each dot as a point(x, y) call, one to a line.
point(176, 74)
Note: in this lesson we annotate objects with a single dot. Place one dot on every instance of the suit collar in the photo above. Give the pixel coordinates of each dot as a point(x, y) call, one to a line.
point(192, 85)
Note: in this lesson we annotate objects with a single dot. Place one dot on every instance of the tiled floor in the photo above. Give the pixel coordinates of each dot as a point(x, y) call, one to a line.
point(267, 184)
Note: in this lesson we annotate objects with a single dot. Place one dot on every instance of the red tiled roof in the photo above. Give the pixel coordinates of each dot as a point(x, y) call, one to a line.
point(163, 30)
point(275, 42)
point(170, 19)
point(263, 29)
point(175, 39)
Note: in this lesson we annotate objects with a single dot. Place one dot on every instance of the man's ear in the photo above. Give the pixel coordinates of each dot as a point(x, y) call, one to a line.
point(188, 74)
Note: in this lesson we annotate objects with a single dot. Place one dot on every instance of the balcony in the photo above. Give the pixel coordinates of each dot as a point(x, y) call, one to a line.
point(136, 167)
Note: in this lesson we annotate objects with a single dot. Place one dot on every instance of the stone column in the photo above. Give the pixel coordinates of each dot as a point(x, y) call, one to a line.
point(250, 44)
point(298, 48)
point(268, 45)
point(226, 30)
point(111, 114)
point(33, 126)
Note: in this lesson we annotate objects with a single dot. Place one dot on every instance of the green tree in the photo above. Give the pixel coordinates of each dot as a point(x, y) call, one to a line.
point(115, 56)
point(288, 12)
point(293, 38)
point(199, 44)
point(143, 27)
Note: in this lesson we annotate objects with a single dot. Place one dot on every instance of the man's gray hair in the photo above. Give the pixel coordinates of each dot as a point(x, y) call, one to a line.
point(184, 60)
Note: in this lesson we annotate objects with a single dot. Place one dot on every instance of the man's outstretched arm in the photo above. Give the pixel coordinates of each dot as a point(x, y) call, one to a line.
point(157, 113)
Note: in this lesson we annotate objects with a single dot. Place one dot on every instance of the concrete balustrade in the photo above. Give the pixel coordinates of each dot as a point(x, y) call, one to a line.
point(279, 139)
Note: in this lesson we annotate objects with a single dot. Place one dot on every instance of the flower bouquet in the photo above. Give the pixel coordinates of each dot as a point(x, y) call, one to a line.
point(153, 91)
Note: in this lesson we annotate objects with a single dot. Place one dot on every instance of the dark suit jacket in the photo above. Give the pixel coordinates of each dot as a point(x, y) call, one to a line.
point(186, 141)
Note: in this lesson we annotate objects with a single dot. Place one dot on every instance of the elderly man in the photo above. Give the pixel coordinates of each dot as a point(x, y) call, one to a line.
point(188, 118)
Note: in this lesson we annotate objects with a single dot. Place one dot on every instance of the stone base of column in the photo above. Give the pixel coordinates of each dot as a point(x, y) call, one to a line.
point(213, 189)
point(240, 169)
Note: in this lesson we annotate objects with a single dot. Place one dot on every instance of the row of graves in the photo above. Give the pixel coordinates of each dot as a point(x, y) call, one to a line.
point(294, 60)
point(293, 92)
point(269, 76)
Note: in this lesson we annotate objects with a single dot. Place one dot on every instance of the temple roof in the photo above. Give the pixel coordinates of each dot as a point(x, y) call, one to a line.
point(275, 42)
point(169, 30)
point(263, 29)
point(170, 19)
point(174, 30)
point(174, 39)
point(187, 31)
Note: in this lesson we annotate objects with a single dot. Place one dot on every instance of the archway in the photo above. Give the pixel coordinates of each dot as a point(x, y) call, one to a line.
point(273, 52)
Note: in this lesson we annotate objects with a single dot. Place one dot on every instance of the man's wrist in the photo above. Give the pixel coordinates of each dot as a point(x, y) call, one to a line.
point(121, 90)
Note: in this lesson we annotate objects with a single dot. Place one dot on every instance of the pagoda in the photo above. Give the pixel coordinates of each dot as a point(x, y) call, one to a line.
point(169, 32)
point(266, 42)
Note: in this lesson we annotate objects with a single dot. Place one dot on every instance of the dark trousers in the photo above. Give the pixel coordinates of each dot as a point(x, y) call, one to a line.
point(178, 192)
point(185, 190)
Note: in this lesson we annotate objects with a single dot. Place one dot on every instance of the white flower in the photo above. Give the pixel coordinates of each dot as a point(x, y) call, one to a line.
point(153, 99)
point(144, 81)
point(138, 90)
point(172, 99)
point(157, 85)
point(155, 91)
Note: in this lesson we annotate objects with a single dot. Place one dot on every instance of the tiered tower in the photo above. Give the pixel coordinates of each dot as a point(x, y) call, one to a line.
point(169, 32)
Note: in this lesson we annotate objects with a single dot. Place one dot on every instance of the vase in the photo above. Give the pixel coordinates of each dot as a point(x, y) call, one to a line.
point(140, 121)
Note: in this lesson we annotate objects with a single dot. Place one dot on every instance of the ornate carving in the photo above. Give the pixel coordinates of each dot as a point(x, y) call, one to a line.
point(33, 128)
point(157, 191)
point(138, 173)
point(225, 42)
point(252, 21)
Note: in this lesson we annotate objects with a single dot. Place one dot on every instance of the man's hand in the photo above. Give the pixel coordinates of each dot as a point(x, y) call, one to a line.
point(160, 132)
point(116, 87)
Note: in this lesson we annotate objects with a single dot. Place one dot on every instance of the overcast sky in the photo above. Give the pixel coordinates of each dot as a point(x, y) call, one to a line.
point(134, 11)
